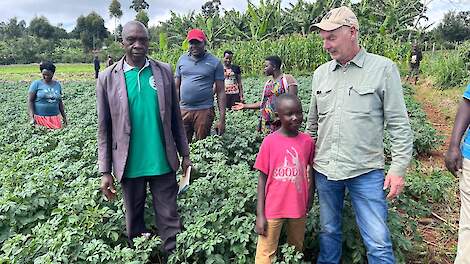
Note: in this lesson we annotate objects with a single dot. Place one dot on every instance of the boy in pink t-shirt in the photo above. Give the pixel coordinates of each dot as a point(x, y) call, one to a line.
point(285, 185)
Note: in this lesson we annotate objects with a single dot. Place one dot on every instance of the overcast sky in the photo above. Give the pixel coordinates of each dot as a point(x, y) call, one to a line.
point(66, 12)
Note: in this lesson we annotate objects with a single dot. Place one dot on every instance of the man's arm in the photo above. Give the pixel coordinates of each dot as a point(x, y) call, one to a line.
point(221, 100)
point(312, 118)
point(311, 187)
point(104, 140)
point(241, 106)
point(104, 128)
point(398, 126)
point(261, 221)
point(177, 87)
point(177, 127)
point(453, 159)
point(240, 86)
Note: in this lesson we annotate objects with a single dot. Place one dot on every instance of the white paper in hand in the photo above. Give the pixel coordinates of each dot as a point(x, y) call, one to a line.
point(184, 181)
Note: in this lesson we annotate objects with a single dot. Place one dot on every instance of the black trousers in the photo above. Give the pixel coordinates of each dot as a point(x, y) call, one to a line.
point(96, 73)
point(231, 99)
point(164, 190)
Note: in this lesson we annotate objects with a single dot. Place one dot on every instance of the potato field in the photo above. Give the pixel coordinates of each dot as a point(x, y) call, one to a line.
point(52, 211)
point(51, 207)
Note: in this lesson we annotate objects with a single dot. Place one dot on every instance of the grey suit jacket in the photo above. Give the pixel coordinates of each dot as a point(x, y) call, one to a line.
point(114, 127)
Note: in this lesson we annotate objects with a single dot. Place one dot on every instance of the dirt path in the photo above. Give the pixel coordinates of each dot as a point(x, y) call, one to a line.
point(440, 110)
point(440, 107)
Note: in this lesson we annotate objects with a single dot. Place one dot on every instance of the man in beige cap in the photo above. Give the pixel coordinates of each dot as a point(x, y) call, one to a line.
point(354, 97)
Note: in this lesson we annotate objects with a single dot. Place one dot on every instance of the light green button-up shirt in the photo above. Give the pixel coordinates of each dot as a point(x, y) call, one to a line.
point(350, 107)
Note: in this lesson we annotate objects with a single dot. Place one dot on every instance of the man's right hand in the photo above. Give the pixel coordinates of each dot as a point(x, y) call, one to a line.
point(261, 224)
point(107, 186)
point(453, 160)
point(238, 106)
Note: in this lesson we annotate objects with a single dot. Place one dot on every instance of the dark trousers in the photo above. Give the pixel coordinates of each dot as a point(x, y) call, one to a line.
point(197, 122)
point(164, 189)
point(231, 99)
point(96, 73)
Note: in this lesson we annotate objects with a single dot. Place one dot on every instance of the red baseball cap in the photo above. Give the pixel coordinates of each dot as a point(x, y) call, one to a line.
point(196, 34)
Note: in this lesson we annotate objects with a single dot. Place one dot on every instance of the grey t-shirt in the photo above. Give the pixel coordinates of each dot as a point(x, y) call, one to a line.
point(197, 79)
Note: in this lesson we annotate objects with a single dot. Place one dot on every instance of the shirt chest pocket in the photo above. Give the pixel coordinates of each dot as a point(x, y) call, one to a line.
point(325, 100)
point(360, 99)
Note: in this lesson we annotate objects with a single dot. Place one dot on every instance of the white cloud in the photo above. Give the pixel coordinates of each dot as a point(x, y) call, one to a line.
point(437, 9)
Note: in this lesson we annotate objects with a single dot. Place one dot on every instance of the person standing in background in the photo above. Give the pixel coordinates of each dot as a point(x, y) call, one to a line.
point(233, 80)
point(415, 60)
point(110, 61)
point(196, 74)
point(457, 160)
point(278, 83)
point(96, 64)
point(45, 104)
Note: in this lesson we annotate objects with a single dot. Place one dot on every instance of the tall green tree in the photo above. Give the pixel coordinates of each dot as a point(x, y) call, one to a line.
point(40, 27)
point(138, 5)
point(119, 30)
point(142, 17)
point(454, 26)
point(395, 18)
point(177, 27)
point(211, 8)
point(116, 12)
point(91, 31)
point(60, 32)
point(303, 14)
point(267, 19)
point(12, 29)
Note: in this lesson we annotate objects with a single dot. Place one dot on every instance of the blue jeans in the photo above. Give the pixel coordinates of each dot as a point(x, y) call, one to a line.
point(370, 207)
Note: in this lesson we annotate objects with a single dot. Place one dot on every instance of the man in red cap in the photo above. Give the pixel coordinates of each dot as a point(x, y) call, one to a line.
point(196, 73)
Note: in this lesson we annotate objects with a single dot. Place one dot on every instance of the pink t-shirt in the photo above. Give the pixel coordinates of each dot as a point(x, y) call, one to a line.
point(285, 159)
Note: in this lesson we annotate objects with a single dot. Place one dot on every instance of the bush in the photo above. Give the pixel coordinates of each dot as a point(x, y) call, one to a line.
point(464, 52)
point(447, 69)
point(69, 51)
point(25, 50)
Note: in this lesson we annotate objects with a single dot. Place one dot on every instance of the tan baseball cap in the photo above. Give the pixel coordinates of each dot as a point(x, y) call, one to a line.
point(337, 17)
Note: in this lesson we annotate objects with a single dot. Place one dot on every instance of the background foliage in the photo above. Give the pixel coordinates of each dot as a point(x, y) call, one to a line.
point(448, 69)
point(398, 20)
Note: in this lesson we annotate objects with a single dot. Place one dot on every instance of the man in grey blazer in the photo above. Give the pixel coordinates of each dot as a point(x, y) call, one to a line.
point(140, 134)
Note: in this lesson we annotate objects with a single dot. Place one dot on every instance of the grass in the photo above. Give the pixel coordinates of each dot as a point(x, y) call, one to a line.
point(64, 72)
point(61, 67)
point(447, 101)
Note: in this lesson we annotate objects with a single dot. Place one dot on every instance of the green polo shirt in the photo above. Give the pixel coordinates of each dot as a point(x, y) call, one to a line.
point(351, 106)
point(146, 148)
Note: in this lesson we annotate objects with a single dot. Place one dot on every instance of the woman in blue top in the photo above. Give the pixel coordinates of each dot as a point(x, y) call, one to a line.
point(45, 104)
